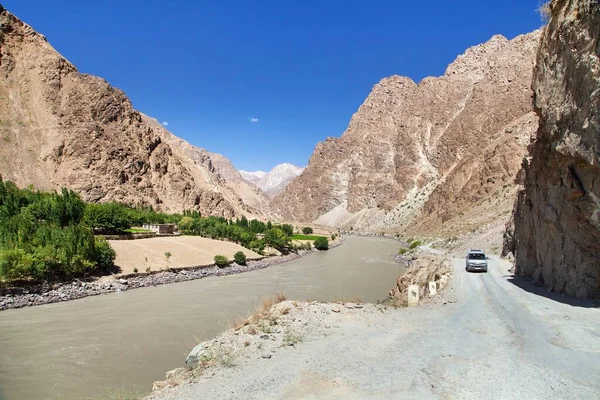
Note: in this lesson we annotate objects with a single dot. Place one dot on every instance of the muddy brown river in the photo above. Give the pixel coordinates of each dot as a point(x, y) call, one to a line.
point(102, 345)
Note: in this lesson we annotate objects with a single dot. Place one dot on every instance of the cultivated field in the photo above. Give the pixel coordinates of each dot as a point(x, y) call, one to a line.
point(186, 251)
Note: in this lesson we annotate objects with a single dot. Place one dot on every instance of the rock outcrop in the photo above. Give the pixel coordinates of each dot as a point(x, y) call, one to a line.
point(59, 127)
point(430, 150)
point(557, 218)
point(427, 268)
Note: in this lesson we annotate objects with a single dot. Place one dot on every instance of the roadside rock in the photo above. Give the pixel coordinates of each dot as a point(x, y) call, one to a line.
point(194, 357)
point(427, 268)
point(557, 219)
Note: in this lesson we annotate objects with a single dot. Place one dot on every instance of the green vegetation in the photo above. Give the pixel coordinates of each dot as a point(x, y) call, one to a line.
point(221, 261)
point(137, 230)
point(414, 244)
point(239, 258)
point(306, 237)
point(307, 230)
point(322, 243)
point(43, 236)
point(51, 236)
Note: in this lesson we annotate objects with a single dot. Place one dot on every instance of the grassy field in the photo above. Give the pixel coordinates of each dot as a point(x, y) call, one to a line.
point(306, 237)
point(137, 230)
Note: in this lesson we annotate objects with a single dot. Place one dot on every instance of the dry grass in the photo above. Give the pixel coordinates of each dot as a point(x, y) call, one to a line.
point(280, 297)
point(545, 11)
point(239, 323)
point(293, 336)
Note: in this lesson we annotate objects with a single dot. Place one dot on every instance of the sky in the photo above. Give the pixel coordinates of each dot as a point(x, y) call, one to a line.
point(262, 82)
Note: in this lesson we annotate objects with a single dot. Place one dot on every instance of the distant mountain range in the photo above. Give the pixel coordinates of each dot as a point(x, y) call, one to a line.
point(274, 181)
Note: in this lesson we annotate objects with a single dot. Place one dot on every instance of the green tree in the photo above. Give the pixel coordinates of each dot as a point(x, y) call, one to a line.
point(288, 229)
point(257, 226)
point(321, 243)
point(239, 258)
point(110, 217)
point(186, 225)
point(276, 238)
point(307, 230)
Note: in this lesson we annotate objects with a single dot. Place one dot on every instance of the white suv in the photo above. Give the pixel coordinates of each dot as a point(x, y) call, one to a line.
point(476, 261)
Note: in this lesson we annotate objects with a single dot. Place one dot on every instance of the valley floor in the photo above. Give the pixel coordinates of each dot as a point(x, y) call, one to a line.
point(184, 251)
point(489, 336)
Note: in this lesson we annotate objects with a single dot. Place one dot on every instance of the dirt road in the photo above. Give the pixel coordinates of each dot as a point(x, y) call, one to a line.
point(489, 338)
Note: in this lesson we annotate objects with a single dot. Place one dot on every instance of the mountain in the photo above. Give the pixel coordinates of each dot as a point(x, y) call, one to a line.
point(415, 156)
point(59, 127)
point(274, 181)
point(252, 177)
point(556, 238)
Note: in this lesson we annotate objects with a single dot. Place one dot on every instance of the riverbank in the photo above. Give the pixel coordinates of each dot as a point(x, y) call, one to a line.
point(271, 338)
point(455, 346)
point(58, 292)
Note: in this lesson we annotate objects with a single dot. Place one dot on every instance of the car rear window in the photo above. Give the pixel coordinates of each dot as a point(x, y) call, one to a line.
point(477, 256)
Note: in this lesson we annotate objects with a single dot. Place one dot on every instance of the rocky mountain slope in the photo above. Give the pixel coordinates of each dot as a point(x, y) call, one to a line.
point(62, 128)
point(416, 155)
point(557, 216)
point(274, 181)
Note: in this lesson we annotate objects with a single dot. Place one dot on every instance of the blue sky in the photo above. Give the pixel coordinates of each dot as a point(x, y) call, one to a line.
point(263, 81)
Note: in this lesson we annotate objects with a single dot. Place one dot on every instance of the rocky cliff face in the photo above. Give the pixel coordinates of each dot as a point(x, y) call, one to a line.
point(557, 218)
point(427, 150)
point(62, 128)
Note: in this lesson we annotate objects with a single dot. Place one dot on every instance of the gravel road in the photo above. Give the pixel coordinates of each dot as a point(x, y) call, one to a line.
point(487, 338)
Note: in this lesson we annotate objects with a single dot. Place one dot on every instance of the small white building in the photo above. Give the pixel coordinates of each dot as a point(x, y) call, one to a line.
point(161, 229)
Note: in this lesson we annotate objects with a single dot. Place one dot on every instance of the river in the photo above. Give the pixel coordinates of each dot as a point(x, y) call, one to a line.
point(92, 347)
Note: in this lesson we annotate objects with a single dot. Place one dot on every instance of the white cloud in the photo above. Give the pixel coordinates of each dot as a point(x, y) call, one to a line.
point(254, 119)
point(165, 123)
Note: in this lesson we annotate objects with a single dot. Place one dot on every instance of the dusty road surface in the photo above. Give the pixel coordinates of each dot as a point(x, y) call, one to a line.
point(487, 338)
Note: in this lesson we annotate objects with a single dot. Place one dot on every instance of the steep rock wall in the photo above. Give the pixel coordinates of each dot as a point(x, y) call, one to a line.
point(557, 217)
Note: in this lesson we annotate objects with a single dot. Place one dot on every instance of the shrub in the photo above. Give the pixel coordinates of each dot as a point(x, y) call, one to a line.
point(322, 243)
point(403, 250)
point(135, 270)
point(415, 244)
point(221, 261)
point(307, 230)
point(15, 264)
point(257, 246)
point(239, 258)
point(105, 255)
point(333, 236)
